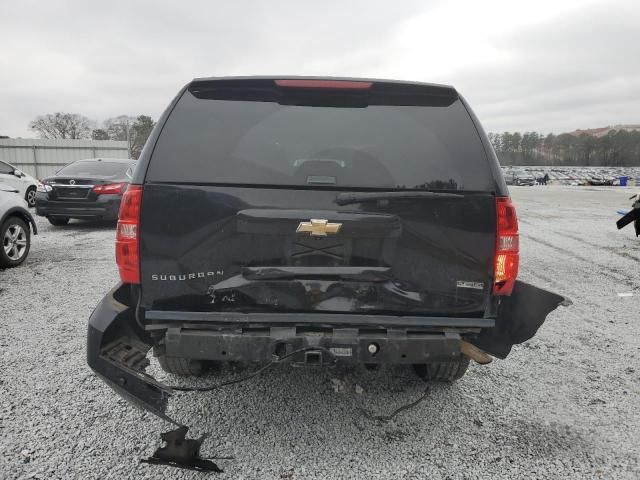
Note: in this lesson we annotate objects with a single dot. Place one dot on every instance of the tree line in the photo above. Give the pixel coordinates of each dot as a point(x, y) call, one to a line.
point(616, 148)
point(133, 130)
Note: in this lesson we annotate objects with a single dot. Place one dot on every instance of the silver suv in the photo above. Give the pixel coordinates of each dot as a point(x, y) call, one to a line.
point(16, 226)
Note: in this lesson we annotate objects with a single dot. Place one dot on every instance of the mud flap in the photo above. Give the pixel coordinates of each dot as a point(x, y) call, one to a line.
point(520, 315)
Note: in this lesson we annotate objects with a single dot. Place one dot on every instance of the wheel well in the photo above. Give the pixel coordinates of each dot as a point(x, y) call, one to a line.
point(22, 217)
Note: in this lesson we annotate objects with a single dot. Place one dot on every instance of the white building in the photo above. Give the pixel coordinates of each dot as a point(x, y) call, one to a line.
point(43, 157)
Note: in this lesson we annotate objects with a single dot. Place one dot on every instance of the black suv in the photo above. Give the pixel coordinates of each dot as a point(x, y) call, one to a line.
point(315, 219)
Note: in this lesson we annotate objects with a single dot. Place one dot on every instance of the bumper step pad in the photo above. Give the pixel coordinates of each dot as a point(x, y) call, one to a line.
point(128, 352)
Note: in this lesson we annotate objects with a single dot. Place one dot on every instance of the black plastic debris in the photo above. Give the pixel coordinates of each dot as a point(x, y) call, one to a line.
point(182, 452)
point(632, 215)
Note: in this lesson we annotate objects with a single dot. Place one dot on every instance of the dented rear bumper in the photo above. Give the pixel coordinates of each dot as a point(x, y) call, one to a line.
point(117, 347)
point(520, 315)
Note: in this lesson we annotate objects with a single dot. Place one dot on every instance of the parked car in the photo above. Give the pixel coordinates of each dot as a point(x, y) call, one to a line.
point(16, 226)
point(314, 220)
point(600, 180)
point(519, 178)
point(16, 178)
point(86, 189)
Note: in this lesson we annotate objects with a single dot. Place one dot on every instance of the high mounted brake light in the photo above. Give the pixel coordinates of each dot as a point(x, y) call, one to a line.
point(336, 84)
point(507, 247)
point(109, 188)
point(127, 235)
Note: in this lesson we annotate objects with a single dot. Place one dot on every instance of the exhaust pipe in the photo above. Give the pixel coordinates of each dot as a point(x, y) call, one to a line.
point(473, 352)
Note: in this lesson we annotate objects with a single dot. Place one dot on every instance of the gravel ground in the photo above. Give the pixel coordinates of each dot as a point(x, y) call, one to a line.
point(564, 405)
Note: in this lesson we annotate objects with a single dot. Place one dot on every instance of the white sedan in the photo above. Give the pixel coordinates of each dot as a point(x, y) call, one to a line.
point(25, 184)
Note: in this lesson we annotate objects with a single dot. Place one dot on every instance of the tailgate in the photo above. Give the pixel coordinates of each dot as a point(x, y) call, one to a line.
point(228, 248)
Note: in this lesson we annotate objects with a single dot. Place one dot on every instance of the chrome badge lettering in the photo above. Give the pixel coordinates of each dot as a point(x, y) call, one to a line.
point(181, 277)
point(471, 285)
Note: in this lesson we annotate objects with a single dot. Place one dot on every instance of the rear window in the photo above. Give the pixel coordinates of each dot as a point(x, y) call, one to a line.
point(102, 168)
point(268, 143)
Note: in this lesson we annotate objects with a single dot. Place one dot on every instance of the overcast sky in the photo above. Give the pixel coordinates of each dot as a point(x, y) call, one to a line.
point(544, 65)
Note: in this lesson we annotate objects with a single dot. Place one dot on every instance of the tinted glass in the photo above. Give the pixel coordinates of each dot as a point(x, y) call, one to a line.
point(103, 169)
point(378, 146)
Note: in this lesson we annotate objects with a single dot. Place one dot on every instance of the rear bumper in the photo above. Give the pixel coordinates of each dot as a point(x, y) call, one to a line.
point(105, 207)
point(117, 347)
point(352, 338)
point(349, 345)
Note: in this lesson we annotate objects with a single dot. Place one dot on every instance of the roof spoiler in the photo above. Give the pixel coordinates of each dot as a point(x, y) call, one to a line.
point(313, 91)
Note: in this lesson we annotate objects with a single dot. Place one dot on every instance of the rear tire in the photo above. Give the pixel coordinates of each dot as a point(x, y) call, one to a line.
point(58, 221)
point(181, 366)
point(443, 371)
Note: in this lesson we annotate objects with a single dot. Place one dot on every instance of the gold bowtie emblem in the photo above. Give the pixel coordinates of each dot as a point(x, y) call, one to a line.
point(318, 227)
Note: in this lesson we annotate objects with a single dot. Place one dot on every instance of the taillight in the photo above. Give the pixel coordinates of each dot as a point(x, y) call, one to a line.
point(507, 247)
point(127, 235)
point(109, 188)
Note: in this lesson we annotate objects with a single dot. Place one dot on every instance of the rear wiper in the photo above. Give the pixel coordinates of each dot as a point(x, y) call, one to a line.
point(348, 198)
